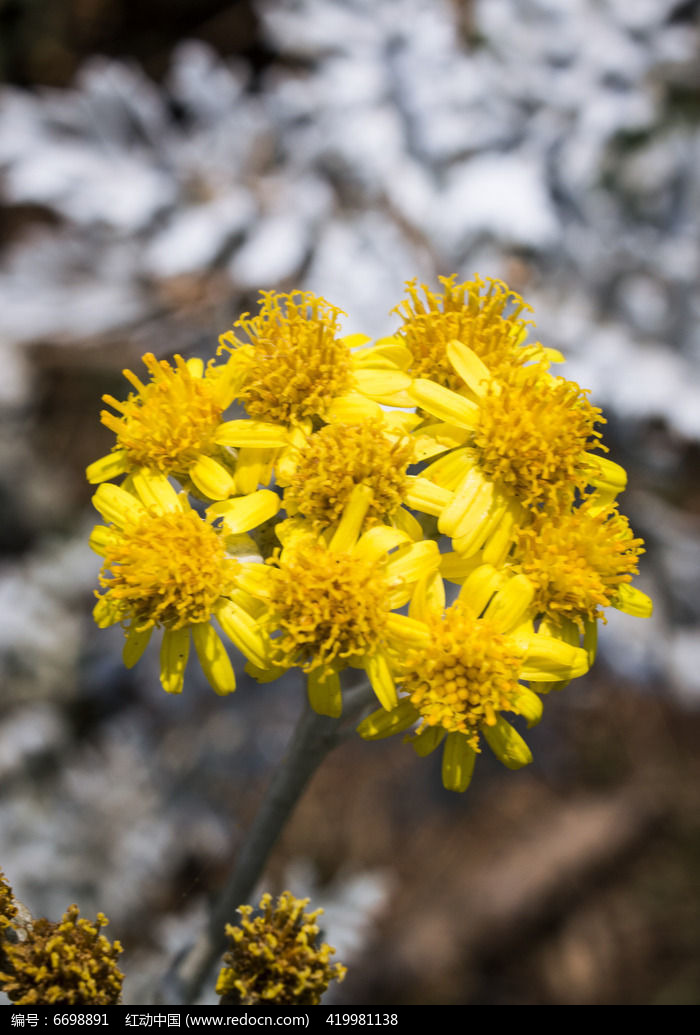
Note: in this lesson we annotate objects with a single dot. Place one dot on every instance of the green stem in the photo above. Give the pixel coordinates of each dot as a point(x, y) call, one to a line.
point(313, 739)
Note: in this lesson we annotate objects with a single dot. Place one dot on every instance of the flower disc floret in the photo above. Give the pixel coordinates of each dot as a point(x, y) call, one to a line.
point(273, 956)
point(294, 364)
point(329, 606)
point(166, 569)
point(577, 561)
point(490, 323)
point(465, 676)
point(336, 459)
point(532, 434)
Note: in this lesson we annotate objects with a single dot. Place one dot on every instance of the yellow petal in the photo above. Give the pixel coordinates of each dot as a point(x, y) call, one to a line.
point(212, 480)
point(390, 355)
point(456, 568)
point(136, 642)
point(404, 521)
point(633, 602)
point(470, 368)
point(510, 604)
point(107, 467)
point(469, 507)
point(355, 341)
point(529, 705)
point(155, 491)
point(347, 533)
point(413, 562)
point(353, 408)
point(458, 759)
point(195, 366)
point(404, 632)
point(479, 587)
point(381, 724)
point(444, 403)
point(174, 651)
point(500, 540)
point(105, 613)
point(381, 385)
point(507, 744)
point(450, 470)
point(425, 496)
point(246, 512)
point(400, 422)
point(483, 524)
point(606, 475)
point(252, 468)
point(214, 658)
point(428, 597)
point(590, 639)
point(547, 658)
point(426, 740)
point(377, 541)
point(323, 688)
point(243, 631)
point(116, 505)
point(254, 433)
point(101, 538)
point(433, 439)
point(265, 675)
point(377, 668)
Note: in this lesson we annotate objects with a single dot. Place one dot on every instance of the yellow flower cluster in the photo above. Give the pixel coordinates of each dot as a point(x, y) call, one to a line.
point(273, 956)
point(70, 963)
point(312, 495)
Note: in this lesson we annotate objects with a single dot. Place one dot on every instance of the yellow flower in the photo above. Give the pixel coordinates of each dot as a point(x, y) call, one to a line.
point(172, 424)
point(329, 602)
point(580, 562)
point(485, 315)
point(66, 964)
point(465, 670)
point(295, 369)
point(320, 473)
point(521, 442)
point(164, 566)
point(274, 958)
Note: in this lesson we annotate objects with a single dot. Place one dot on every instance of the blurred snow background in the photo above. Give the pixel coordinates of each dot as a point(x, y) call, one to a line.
point(349, 146)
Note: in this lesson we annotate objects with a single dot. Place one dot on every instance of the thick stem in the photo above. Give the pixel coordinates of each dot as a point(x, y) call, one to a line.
point(314, 737)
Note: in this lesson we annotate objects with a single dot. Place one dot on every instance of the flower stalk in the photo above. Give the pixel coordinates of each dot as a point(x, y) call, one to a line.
point(314, 737)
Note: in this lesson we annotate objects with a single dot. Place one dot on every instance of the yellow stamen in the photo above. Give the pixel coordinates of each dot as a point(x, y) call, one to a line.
point(341, 456)
point(466, 675)
point(169, 422)
point(464, 312)
point(295, 364)
point(327, 605)
point(533, 433)
point(166, 569)
point(577, 561)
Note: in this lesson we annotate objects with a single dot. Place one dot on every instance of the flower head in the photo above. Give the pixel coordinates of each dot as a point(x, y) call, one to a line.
point(489, 321)
point(165, 566)
point(170, 424)
point(295, 363)
point(466, 670)
point(532, 434)
point(523, 441)
point(65, 964)
point(325, 469)
point(273, 956)
point(8, 909)
point(329, 601)
point(579, 562)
